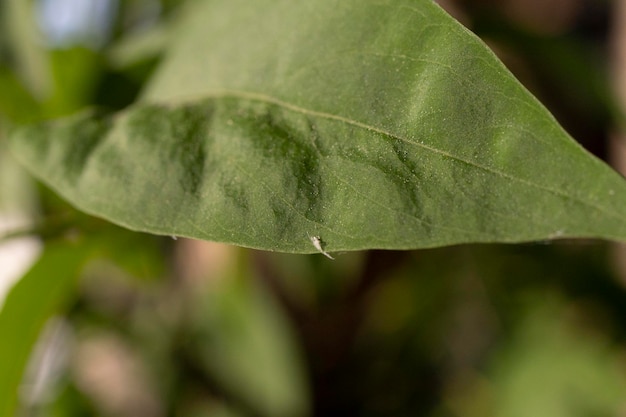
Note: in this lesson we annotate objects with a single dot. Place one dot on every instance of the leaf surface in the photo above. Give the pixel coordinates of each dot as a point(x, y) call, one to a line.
point(371, 124)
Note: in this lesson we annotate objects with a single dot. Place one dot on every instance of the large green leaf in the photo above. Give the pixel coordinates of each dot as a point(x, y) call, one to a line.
point(371, 124)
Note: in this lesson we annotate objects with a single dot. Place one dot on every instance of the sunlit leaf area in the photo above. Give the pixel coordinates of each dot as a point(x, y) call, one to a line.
point(273, 208)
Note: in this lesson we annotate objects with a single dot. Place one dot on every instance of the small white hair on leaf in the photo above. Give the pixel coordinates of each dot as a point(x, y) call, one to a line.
point(317, 242)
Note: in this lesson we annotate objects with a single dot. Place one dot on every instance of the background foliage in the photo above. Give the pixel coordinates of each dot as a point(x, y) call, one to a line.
point(151, 326)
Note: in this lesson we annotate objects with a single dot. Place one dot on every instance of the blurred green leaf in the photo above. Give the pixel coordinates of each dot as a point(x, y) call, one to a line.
point(42, 292)
point(16, 103)
point(553, 368)
point(243, 342)
point(75, 72)
point(139, 255)
point(70, 402)
point(29, 57)
point(137, 47)
point(369, 124)
point(17, 192)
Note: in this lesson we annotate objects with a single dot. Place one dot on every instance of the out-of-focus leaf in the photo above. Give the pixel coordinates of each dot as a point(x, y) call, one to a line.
point(16, 103)
point(371, 124)
point(26, 48)
point(18, 209)
point(17, 194)
point(138, 47)
point(139, 255)
point(551, 369)
point(244, 343)
point(76, 72)
point(41, 293)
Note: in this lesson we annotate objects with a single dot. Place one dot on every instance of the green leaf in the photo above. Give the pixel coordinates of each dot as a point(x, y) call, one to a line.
point(371, 124)
point(552, 367)
point(17, 193)
point(75, 72)
point(38, 295)
point(16, 103)
point(242, 340)
point(137, 47)
point(26, 49)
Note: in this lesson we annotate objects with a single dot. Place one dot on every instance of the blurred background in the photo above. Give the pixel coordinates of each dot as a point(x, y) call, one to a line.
point(149, 326)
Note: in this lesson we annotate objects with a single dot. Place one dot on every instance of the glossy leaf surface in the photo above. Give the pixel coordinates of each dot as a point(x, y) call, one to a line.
point(371, 124)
